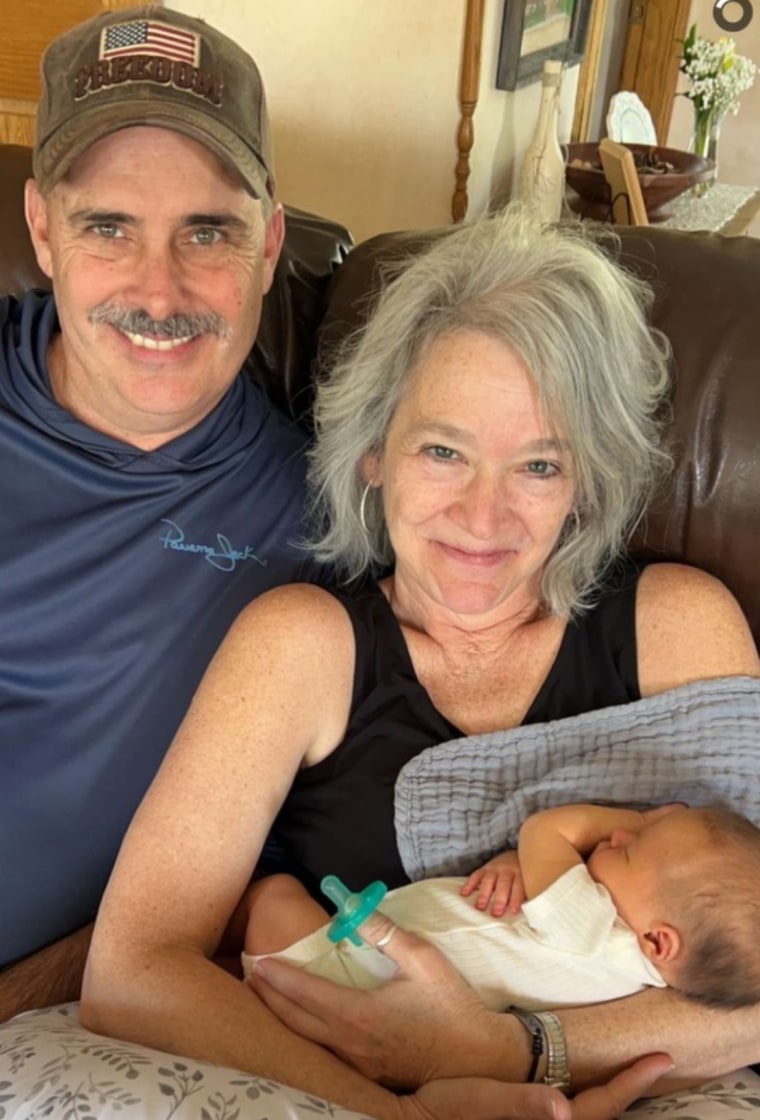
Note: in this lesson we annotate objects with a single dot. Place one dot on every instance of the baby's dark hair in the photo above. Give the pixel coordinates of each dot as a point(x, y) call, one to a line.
point(719, 914)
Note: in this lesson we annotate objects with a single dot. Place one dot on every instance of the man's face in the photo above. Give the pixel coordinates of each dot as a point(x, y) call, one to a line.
point(159, 260)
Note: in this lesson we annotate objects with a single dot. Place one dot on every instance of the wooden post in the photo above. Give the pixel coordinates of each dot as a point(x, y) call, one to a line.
point(469, 84)
point(589, 71)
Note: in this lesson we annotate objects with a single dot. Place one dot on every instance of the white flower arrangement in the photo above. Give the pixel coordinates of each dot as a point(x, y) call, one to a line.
point(718, 75)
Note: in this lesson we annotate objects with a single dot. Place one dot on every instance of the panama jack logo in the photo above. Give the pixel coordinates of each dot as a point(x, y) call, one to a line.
point(220, 555)
point(732, 15)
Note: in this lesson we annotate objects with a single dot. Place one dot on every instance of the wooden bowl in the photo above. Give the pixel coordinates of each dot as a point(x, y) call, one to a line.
point(659, 189)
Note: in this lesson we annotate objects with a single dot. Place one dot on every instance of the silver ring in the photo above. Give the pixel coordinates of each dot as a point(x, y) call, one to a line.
point(381, 944)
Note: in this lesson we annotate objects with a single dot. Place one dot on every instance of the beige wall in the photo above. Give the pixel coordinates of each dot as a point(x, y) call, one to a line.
point(739, 152)
point(363, 99)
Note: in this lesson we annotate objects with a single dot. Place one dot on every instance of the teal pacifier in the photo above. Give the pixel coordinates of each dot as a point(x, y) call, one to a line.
point(353, 909)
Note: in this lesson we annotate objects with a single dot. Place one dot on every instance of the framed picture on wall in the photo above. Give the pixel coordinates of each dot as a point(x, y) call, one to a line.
point(533, 31)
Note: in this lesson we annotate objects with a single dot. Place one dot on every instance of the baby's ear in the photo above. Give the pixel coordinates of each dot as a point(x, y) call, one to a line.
point(661, 943)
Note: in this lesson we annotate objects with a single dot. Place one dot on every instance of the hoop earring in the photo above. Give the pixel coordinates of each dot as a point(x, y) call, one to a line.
point(573, 525)
point(363, 508)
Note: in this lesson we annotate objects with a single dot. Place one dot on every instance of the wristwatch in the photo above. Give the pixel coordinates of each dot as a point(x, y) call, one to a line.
point(546, 1037)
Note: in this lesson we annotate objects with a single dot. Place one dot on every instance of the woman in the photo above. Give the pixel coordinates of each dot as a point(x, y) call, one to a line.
point(493, 436)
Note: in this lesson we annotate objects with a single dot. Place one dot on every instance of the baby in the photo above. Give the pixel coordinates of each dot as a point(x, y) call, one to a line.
point(597, 903)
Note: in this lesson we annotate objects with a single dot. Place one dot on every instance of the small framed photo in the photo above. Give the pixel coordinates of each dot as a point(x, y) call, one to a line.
point(533, 31)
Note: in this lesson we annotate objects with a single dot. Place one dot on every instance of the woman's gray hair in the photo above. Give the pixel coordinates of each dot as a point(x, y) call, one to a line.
point(579, 324)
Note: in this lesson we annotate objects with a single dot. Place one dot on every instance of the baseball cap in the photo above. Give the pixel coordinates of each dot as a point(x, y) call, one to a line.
point(152, 66)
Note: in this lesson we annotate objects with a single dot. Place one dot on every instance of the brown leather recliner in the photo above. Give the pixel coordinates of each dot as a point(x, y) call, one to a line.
point(708, 303)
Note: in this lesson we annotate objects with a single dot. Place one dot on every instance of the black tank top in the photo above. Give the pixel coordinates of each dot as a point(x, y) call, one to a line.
point(338, 816)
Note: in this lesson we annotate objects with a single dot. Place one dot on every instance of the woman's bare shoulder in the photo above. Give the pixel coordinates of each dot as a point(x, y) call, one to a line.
point(282, 677)
point(291, 638)
point(689, 627)
point(292, 610)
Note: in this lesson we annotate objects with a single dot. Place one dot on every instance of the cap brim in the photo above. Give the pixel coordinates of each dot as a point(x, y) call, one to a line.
point(53, 158)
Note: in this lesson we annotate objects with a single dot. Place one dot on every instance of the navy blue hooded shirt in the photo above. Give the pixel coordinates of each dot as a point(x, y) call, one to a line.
point(120, 572)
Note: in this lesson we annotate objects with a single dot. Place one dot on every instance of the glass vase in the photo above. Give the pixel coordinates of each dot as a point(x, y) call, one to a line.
point(716, 121)
point(704, 142)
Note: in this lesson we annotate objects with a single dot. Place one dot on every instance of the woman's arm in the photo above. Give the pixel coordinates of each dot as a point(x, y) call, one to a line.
point(276, 694)
point(689, 627)
point(702, 1041)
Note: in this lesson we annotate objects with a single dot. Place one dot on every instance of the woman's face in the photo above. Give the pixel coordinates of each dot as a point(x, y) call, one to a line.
point(476, 483)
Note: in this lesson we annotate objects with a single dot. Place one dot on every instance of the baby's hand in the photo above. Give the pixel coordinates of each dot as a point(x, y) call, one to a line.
point(499, 883)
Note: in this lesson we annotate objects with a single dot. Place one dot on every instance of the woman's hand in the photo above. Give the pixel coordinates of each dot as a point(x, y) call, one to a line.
point(497, 885)
point(406, 1033)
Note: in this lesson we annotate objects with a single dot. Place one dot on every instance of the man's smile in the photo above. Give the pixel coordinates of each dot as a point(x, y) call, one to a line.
point(149, 343)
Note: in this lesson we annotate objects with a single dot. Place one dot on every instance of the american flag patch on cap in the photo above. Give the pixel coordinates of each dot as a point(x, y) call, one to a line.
point(148, 36)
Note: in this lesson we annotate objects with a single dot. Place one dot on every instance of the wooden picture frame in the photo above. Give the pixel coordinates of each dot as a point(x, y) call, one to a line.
point(557, 27)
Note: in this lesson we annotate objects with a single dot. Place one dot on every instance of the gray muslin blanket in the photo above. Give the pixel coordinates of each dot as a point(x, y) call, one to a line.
point(459, 803)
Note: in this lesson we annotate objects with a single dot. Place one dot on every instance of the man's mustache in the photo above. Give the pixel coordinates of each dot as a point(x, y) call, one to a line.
point(138, 321)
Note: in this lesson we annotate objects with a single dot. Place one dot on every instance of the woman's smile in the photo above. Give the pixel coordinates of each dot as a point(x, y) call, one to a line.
point(485, 558)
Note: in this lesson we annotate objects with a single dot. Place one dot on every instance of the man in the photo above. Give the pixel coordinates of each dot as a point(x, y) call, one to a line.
point(148, 490)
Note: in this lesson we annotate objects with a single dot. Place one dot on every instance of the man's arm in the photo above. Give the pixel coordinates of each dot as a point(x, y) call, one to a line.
point(54, 975)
